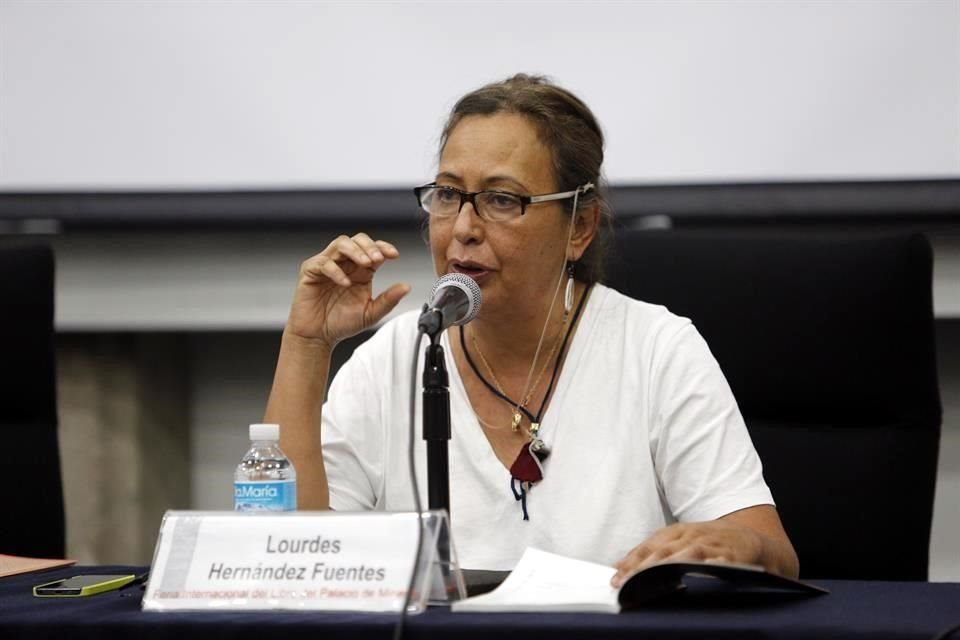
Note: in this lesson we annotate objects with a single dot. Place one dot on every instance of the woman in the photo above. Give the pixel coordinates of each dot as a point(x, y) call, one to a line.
point(584, 422)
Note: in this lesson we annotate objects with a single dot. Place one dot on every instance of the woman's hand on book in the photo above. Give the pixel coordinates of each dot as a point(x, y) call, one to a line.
point(749, 536)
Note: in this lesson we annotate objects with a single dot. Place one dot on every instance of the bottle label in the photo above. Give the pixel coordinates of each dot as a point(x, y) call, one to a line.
point(269, 495)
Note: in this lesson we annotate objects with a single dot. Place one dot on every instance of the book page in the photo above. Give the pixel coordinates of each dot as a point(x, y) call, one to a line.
point(545, 581)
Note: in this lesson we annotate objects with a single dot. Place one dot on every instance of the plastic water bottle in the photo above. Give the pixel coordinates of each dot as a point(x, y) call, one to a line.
point(265, 480)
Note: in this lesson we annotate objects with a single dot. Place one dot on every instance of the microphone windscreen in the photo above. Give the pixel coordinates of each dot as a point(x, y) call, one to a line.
point(468, 286)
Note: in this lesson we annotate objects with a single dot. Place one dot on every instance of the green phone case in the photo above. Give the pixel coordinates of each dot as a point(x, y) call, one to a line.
point(105, 583)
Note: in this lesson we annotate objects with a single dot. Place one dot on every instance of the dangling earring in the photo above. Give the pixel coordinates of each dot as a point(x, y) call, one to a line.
point(568, 293)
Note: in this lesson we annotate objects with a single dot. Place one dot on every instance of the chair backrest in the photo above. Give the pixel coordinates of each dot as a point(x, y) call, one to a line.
point(827, 341)
point(33, 522)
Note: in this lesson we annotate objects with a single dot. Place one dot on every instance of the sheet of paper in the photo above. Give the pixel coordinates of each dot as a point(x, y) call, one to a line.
point(545, 581)
point(13, 565)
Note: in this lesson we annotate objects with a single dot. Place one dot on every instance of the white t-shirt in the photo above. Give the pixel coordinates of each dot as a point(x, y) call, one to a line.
point(642, 427)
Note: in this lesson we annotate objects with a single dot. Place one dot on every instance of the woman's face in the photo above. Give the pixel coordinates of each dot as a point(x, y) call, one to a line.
point(517, 263)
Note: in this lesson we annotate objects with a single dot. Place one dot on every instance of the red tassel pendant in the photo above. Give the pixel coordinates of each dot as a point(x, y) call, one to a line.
point(527, 466)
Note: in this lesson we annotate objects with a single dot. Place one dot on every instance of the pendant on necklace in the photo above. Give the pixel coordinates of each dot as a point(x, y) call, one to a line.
point(527, 466)
point(515, 426)
point(537, 446)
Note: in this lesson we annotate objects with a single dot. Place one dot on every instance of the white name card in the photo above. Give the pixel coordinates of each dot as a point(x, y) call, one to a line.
point(301, 561)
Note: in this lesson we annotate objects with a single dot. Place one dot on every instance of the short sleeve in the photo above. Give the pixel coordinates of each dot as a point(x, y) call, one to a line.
point(351, 435)
point(702, 451)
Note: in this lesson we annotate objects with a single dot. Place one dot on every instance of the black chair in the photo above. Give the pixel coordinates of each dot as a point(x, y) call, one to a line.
point(33, 520)
point(827, 341)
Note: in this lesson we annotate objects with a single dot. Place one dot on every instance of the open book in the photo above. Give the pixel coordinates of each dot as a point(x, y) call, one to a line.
point(545, 581)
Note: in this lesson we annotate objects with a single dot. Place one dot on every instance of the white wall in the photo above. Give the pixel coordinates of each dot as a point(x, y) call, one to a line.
point(202, 94)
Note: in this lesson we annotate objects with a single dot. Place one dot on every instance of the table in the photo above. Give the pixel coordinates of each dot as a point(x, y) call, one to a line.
point(875, 610)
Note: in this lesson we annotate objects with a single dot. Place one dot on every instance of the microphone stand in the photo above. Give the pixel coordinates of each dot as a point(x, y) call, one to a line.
point(436, 431)
point(459, 296)
point(436, 425)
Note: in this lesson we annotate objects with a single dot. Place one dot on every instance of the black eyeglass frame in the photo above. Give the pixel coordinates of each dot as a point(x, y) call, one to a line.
point(525, 201)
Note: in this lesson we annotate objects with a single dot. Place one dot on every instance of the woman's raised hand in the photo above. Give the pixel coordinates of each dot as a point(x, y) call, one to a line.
point(334, 296)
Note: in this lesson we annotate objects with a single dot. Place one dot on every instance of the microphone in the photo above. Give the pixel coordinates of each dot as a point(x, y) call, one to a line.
point(455, 300)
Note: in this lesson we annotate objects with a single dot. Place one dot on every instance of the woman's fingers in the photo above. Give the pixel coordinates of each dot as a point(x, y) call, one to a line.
point(676, 542)
point(386, 301)
point(714, 541)
point(346, 256)
point(369, 248)
point(345, 247)
point(634, 559)
point(387, 249)
point(334, 296)
point(323, 266)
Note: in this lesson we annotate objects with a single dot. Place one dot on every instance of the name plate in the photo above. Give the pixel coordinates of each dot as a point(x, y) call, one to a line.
point(301, 561)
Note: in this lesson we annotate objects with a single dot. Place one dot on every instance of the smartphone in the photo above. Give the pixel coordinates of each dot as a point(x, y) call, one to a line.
point(85, 585)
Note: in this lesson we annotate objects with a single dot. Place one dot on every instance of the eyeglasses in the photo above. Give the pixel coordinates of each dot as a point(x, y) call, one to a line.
point(493, 206)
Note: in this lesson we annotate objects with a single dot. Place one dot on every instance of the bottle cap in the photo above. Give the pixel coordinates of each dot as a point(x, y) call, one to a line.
point(265, 432)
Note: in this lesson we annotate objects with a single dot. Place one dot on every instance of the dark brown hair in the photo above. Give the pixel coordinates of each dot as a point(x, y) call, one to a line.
point(571, 132)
